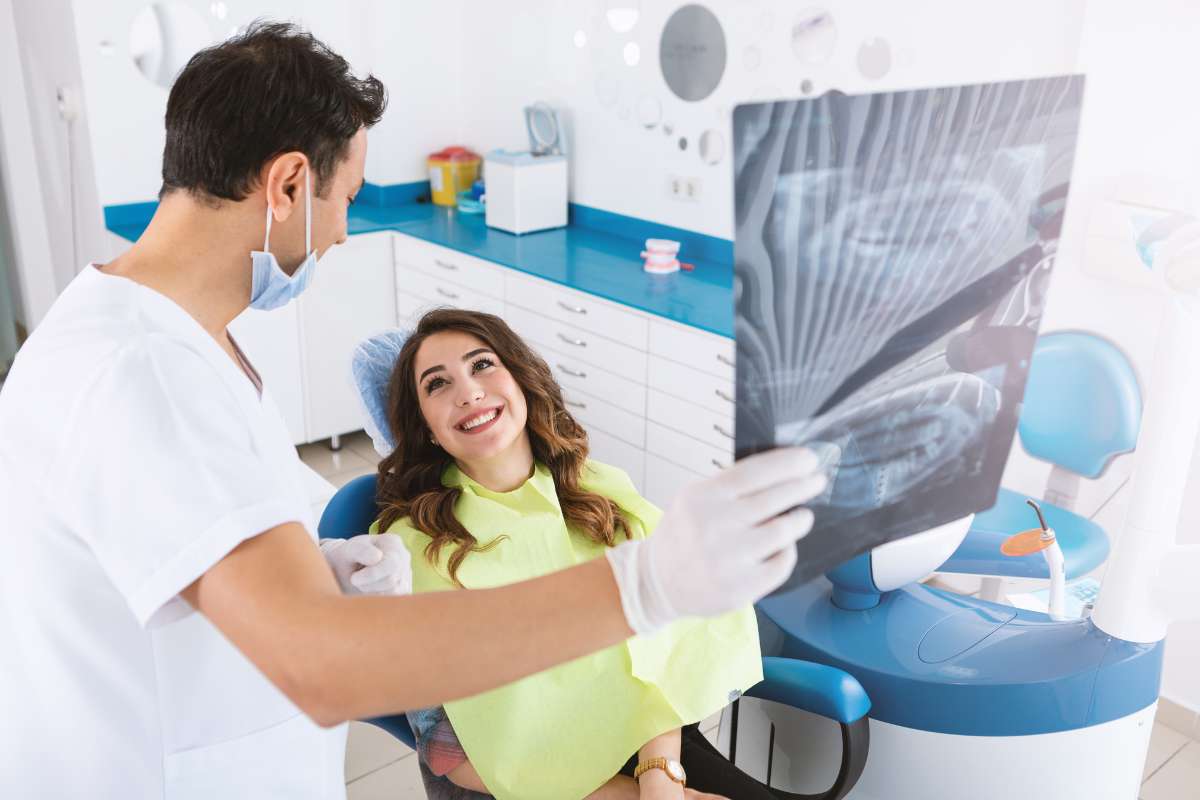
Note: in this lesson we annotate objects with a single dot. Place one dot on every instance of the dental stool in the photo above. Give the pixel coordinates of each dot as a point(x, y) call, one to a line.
point(825, 691)
point(1082, 408)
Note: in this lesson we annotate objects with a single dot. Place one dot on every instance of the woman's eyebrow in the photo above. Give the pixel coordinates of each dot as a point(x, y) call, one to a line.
point(435, 368)
point(442, 367)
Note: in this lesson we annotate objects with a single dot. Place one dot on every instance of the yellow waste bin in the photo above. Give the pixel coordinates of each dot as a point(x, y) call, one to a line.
point(451, 171)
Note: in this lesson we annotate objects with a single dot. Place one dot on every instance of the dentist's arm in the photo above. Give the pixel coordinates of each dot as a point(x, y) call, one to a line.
point(723, 544)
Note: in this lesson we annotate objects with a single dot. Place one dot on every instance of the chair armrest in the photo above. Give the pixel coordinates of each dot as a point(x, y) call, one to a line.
point(826, 691)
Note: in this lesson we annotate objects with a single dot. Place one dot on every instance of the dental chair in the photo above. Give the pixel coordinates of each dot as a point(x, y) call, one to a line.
point(1082, 408)
point(825, 691)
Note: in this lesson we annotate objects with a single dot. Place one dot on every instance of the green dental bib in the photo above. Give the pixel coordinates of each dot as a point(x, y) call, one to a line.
point(564, 732)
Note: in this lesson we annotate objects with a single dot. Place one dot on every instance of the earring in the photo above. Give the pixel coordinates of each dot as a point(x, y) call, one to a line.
point(434, 442)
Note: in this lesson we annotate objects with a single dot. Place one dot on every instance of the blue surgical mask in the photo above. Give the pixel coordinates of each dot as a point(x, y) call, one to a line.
point(270, 286)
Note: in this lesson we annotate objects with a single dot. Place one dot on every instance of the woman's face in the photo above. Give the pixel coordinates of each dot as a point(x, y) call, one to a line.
point(470, 401)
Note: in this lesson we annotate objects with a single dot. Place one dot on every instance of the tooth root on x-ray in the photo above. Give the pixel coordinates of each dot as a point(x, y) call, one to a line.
point(872, 233)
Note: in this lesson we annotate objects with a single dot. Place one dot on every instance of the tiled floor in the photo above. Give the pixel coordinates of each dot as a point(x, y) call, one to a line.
point(380, 768)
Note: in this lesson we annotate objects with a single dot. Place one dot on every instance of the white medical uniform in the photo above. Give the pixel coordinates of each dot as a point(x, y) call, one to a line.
point(134, 454)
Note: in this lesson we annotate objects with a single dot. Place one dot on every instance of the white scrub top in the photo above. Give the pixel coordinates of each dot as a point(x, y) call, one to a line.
point(134, 454)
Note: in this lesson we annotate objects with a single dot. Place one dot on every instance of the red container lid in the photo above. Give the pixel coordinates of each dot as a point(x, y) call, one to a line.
point(455, 153)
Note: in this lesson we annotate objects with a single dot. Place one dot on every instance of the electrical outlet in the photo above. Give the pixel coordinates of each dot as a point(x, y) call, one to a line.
point(683, 188)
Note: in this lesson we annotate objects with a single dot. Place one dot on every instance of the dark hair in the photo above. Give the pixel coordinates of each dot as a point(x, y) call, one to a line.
point(272, 89)
point(409, 483)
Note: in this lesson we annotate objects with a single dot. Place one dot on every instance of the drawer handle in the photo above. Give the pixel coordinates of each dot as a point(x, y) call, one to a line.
point(447, 293)
point(445, 264)
point(722, 431)
point(572, 372)
point(724, 359)
point(573, 309)
point(569, 340)
point(717, 464)
point(575, 403)
point(724, 396)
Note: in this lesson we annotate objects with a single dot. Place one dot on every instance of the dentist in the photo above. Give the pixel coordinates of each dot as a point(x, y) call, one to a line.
point(169, 626)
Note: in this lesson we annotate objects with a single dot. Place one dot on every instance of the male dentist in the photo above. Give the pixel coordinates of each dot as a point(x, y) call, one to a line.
point(169, 626)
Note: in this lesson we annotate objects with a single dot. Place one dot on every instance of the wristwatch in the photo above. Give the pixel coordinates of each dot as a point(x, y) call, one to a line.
point(673, 769)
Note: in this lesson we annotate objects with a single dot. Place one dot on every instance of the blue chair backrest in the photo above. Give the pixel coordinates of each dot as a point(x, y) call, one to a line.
point(1082, 403)
point(351, 511)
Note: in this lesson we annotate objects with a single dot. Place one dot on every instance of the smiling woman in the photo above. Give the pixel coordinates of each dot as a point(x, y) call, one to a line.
point(490, 408)
point(491, 484)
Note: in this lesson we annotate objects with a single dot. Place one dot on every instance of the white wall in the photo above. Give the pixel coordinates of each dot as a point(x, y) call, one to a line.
point(412, 47)
point(515, 53)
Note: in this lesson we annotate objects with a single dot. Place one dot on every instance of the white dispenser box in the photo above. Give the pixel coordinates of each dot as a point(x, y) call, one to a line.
point(525, 192)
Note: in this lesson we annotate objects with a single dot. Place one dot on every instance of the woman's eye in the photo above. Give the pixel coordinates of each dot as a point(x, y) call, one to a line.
point(482, 364)
point(434, 385)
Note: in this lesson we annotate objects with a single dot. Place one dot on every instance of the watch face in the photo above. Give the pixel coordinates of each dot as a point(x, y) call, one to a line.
point(675, 770)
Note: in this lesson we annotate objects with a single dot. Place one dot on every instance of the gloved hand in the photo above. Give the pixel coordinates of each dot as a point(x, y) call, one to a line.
point(369, 564)
point(724, 542)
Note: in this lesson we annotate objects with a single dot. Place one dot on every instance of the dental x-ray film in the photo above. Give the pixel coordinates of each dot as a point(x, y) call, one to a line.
point(892, 254)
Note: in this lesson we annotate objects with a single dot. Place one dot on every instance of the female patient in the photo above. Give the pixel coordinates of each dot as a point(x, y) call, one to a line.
point(489, 484)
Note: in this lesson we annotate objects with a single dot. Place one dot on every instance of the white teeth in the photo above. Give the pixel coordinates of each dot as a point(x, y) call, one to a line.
point(475, 423)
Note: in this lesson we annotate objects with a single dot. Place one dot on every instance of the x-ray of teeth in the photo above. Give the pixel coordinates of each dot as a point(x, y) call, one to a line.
point(892, 252)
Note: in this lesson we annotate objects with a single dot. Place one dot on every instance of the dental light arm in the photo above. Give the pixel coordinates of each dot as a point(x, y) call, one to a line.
point(1152, 580)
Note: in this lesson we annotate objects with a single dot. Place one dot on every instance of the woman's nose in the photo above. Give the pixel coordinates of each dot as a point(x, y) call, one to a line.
point(470, 393)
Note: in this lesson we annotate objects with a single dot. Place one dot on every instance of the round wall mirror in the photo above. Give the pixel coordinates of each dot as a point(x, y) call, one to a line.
point(692, 52)
point(814, 35)
point(163, 36)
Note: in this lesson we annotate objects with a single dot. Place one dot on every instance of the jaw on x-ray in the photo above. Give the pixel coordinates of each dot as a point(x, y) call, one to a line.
point(892, 253)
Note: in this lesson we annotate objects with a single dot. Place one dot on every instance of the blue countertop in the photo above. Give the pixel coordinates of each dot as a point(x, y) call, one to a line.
point(598, 253)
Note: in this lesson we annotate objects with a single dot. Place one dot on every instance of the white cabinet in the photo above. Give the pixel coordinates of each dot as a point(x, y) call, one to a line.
point(351, 298)
point(271, 340)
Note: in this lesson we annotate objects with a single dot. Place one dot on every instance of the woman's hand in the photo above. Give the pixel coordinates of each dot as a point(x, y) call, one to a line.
point(692, 794)
point(660, 787)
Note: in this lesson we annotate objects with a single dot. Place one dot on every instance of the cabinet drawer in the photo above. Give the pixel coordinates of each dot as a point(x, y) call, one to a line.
point(664, 480)
point(444, 292)
point(702, 388)
point(704, 351)
point(700, 457)
point(711, 427)
point(578, 309)
point(410, 308)
point(573, 374)
point(595, 414)
point(611, 450)
point(588, 347)
point(450, 265)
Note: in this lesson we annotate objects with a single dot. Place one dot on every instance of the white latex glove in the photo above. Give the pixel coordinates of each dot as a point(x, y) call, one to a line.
point(369, 564)
point(722, 544)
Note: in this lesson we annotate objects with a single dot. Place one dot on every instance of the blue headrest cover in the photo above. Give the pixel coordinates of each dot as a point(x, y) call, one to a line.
point(372, 366)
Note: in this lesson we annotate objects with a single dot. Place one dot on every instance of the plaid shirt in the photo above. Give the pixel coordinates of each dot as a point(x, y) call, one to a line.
point(439, 752)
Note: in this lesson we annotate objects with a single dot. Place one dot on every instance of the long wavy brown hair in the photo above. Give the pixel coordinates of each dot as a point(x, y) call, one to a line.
point(409, 483)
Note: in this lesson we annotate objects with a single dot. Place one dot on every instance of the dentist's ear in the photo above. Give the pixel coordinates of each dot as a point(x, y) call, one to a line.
point(284, 183)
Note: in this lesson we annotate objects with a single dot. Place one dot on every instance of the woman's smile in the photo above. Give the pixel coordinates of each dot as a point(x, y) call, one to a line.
point(480, 421)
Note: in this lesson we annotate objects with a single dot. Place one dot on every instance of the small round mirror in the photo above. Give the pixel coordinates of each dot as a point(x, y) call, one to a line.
point(875, 58)
point(649, 112)
point(813, 36)
point(622, 15)
point(692, 52)
point(163, 36)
